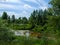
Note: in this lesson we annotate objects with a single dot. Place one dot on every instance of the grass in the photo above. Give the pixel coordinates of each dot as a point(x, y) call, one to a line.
point(32, 41)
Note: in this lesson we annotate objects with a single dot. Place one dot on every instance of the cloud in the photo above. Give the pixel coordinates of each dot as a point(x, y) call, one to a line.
point(13, 13)
point(17, 15)
point(22, 8)
point(37, 4)
point(27, 6)
point(32, 1)
point(6, 6)
point(14, 1)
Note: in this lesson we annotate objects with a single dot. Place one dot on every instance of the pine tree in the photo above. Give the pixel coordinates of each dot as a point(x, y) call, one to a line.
point(4, 15)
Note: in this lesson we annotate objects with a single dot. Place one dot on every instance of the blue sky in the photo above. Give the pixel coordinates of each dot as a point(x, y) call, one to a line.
point(22, 8)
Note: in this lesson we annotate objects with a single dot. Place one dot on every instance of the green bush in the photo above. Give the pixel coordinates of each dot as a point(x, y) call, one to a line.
point(6, 34)
point(20, 26)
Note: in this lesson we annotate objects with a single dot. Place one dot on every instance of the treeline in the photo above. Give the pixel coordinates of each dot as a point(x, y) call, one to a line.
point(40, 20)
point(12, 19)
point(46, 22)
point(37, 18)
point(13, 22)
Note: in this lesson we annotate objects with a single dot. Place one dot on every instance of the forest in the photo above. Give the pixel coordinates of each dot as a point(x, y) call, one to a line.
point(46, 22)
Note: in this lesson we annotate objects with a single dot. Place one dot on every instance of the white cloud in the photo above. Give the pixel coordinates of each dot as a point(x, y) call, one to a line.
point(14, 1)
point(42, 3)
point(24, 14)
point(10, 6)
point(43, 8)
point(11, 13)
point(24, 8)
point(17, 15)
point(31, 1)
point(27, 6)
point(34, 1)
point(6, 6)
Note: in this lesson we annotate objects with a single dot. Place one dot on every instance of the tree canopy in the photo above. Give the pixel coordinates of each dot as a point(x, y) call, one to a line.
point(56, 6)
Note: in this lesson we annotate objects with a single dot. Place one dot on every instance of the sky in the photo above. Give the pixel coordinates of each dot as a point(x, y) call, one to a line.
point(22, 8)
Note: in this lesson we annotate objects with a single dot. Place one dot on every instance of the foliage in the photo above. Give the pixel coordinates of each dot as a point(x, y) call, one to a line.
point(13, 18)
point(6, 35)
point(8, 20)
point(46, 22)
point(56, 6)
point(4, 15)
point(24, 20)
point(21, 26)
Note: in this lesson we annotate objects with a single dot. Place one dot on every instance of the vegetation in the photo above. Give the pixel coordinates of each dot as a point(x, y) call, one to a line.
point(46, 22)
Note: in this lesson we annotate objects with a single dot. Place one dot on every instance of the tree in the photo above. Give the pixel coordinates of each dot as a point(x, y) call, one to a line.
point(38, 17)
point(8, 19)
point(4, 15)
point(50, 11)
point(13, 18)
point(52, 27)
point(24, 20)
point(32, 18)
point(19, 20)
point(56, 6)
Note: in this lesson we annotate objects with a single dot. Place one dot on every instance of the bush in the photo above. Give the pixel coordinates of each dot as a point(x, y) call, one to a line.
point(6, 34)
point(21, 27)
